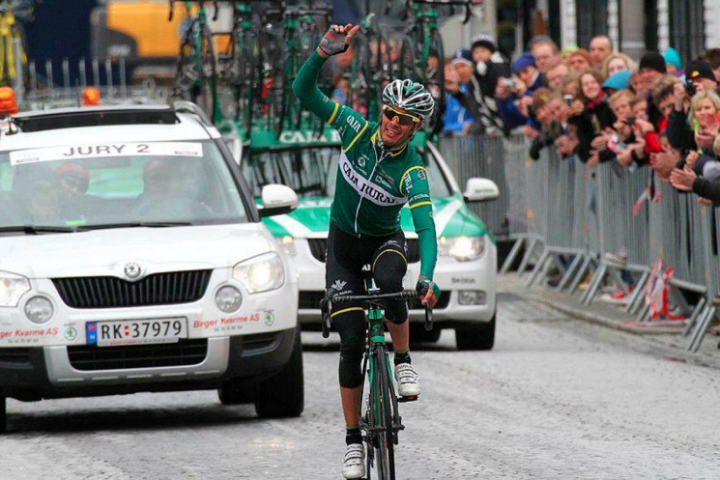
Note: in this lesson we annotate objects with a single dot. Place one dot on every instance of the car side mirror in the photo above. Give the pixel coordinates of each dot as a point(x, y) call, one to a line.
point(277, 200)
point(481, 190)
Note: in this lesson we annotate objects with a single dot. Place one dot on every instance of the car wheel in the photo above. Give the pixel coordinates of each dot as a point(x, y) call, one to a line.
point(418, 334)
point(283, 394)
point(3, 415)
point(476, 336)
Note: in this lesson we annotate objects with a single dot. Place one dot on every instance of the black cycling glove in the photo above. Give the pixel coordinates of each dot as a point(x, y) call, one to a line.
point(334, 42)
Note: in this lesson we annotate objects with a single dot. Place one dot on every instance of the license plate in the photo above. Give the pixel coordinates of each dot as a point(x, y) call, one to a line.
point(136, 332)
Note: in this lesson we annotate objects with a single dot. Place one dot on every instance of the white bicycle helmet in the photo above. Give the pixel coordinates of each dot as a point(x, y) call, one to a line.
point(409, 96)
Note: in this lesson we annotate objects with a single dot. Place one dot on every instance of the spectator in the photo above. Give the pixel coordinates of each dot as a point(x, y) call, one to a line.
point(681, 129)
point(639, 107)
point(701, 75)
point(704, 110)
point(673, 62)
point(580, 60)
point(652, 66)
point(617, 82)
point(636, 82)
point(556, 74)
point(617, 62)
point(591, 94)
point(483, 108)
point(456, 118)
point(514, 96)
point(712, 57)
point(601, 47)
point(545, 52)
point(700, 175)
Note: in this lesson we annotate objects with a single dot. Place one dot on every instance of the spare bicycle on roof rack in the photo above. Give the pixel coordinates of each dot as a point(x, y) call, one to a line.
point(421, 53)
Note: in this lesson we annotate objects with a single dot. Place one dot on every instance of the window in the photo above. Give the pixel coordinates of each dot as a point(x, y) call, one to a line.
point(592, 20)
point(687, 28)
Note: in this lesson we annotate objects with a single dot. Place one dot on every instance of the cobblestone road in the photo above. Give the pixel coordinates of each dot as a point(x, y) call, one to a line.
point(556, 399)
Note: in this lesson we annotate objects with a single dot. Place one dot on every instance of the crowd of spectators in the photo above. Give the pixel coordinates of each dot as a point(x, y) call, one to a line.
point(597, 105)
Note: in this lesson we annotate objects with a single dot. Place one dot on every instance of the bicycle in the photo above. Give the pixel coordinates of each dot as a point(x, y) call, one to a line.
point(301, 35)
point(241, 64)
point(11, 31)
point(421, 51)
point(381, 422)
point(196, 73)
point(371, 68)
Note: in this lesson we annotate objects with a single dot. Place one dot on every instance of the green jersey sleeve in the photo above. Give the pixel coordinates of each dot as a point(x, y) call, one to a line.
point(349, 123)
point(415, 186)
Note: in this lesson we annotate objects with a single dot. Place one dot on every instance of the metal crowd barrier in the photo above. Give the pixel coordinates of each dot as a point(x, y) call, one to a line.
point(583, 220)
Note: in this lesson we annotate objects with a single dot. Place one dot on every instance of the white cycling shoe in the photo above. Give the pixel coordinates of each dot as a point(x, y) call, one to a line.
point(354, 461)
point(407, 379)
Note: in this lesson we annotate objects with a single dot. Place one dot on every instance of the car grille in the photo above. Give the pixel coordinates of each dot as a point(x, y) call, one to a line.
point(311, 300)
point(15, 357)
point(92, 357)
point(112, 292)
point(318, 248)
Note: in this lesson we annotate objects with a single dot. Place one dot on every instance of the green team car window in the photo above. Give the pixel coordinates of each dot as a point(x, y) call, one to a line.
point(373, 184)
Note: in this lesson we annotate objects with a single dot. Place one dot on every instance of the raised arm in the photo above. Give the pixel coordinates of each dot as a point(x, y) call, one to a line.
point(336, 40)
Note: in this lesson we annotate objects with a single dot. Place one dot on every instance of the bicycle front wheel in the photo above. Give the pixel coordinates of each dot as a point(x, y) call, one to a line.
point(383, 404)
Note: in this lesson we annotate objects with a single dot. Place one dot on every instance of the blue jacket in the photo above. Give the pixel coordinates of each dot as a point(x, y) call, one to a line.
point(455, 116)
point(511, 113)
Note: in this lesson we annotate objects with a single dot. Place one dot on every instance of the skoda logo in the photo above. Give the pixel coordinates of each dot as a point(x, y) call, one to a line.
point(133, 271)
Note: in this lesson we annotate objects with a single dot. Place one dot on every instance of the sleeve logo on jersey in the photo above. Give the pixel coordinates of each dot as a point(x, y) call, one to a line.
point(422, 174)
point(354, 124)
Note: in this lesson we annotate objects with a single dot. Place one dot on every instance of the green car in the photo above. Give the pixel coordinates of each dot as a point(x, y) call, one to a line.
point(467, 255)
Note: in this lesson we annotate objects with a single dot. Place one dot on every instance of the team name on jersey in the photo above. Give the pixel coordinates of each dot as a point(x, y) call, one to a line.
point(365, 188)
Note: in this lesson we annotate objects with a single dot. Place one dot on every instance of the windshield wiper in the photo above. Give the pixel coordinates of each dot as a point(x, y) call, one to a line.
point(35, 229)
point(138, 225)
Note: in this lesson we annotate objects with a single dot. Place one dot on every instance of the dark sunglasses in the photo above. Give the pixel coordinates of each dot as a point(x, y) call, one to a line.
point(403, 119)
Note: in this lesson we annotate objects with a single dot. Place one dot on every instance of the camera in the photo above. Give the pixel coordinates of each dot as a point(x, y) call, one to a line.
point(568, 99)
point(508, 82)
point(630, 121)
point(690, 89)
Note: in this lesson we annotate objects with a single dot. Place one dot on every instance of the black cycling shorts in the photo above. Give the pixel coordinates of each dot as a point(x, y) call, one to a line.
point(349, 261)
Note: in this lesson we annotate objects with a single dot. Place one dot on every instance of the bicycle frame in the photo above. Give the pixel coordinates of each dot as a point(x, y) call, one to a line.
point(380, 426)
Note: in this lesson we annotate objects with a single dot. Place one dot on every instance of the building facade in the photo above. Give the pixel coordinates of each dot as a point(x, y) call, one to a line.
point(635, 26)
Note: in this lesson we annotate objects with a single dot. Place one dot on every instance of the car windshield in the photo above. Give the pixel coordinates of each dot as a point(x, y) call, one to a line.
point(105, 185)
point(312, 172)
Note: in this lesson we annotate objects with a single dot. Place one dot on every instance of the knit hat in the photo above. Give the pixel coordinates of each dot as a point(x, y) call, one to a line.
point(525, 60)
point(672, 57)
point(699, 69)
point(484, 40)
point(617, 81)
point(653, 61)
point(463, 55)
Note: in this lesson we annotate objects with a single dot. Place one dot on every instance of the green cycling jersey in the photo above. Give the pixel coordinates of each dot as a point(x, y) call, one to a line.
point(373, 184)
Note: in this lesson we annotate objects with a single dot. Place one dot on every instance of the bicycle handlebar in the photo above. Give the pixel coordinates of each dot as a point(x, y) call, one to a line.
point(332, 297)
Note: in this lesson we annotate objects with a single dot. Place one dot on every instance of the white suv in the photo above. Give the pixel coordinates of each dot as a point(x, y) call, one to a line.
point(133, 258)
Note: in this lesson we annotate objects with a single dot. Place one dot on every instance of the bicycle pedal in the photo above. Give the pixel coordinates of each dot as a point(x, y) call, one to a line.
point(411, 398)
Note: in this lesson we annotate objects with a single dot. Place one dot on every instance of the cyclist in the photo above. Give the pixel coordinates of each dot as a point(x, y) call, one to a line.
point(378, 174)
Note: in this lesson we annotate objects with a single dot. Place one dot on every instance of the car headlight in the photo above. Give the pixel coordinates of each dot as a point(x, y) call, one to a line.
point(39, 310)
point(287, 243)
point(462, 248)
point(262, 273)
point(12, 287)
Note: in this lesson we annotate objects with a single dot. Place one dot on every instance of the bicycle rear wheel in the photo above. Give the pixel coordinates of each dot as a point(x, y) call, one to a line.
point(359, 92)
point(248, 83)
point(406, 66)
point(383, 417)
point(196, 74)
point(434, 73)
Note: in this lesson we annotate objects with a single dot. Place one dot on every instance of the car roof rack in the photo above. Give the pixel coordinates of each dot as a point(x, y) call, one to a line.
point(42, 120)
point(183, 106)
